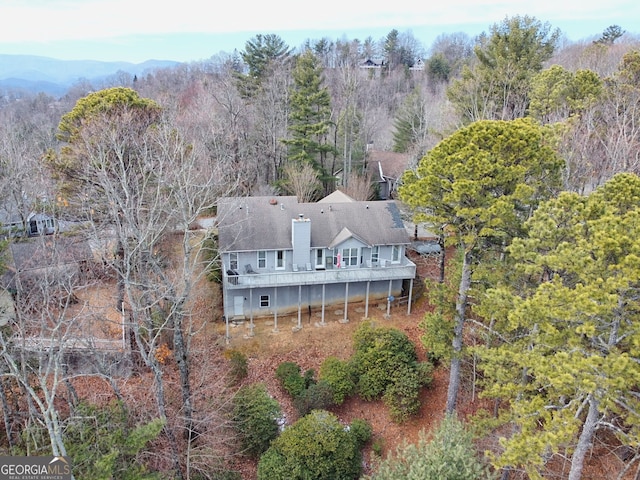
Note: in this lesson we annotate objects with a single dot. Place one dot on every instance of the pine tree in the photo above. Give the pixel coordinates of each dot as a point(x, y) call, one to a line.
point(310, 115)
point(480, 184)
point(569, 362)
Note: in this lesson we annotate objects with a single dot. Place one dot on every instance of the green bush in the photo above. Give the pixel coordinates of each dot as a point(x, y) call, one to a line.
point(402, 396)
point(450, 455)
point(386, 365)
point(316, 447)
point(255, 416)
point(340, 377)
point(289, 375)
point(361, 431)
point(318, 396)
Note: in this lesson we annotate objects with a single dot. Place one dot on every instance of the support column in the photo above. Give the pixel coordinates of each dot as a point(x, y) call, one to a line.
point(366, 301)
point(410, 294)
point(322, 322)
point(251, 312)
point(346, 302)
point(299, 307)
point(275, 309)
point(388, 315)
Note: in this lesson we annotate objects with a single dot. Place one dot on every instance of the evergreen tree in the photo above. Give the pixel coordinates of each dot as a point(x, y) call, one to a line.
point(449, 455)
point(570, 360)
point(480, 184)
point(497, 87)
point(261, 53)
point(310, 119)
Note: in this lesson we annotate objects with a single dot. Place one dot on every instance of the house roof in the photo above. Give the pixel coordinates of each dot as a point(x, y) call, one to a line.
point(391, 164)
point(336, 197)
point(264, 223)
point(44, 252)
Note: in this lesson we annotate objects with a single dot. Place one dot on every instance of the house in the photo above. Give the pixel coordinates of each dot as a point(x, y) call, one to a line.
point(387, 168)
point(14, 224)
point(48, 266)
point(280, 256)
point(418, 65)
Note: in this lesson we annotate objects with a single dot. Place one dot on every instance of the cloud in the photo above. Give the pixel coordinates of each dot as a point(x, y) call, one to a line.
point(53, 20)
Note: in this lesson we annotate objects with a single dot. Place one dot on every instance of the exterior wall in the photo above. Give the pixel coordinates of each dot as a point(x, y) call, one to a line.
point(242, 292)
point(290, 298)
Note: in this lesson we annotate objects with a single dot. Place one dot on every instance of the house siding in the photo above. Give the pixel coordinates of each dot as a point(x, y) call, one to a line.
point(347, 228)
point(291, 298)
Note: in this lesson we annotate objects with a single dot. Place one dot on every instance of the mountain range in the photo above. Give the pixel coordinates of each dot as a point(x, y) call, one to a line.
point(35, 74)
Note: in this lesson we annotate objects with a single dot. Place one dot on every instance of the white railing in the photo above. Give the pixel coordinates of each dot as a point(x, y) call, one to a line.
point(385, 271)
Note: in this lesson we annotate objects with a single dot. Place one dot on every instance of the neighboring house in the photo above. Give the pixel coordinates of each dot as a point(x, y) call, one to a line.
point(13, 224)
point(281, 256)
point(387, 169)
point(48, 266)
point(418, 65)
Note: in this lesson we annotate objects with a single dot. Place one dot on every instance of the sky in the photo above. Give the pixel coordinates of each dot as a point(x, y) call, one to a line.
point(193, 30)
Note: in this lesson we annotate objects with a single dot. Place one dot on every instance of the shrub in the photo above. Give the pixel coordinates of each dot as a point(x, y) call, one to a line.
point(318, 396)
point(402, 396)
point(361, 431)
point(289, 375)
point(379, 353)
point(316, 447)
point(451, 455)
point(387, 366)
point(340, 377)
point(239, 365)
point(255, 415)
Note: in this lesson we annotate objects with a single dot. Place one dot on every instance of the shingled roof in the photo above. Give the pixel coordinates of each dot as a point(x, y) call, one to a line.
point(264, 223)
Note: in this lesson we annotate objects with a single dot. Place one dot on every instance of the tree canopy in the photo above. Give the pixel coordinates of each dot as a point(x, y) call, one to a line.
point(568, 364)
point(479, 185)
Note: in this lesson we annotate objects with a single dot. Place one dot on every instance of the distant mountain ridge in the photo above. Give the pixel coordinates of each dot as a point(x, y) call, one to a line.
point(36, 74)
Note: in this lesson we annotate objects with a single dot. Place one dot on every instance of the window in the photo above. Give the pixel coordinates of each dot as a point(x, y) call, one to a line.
point(264, 301)
point(280, 259)
point(375, 254)
point(262, 259)
point(349, 257)
point(395, 254)
point(233, 261)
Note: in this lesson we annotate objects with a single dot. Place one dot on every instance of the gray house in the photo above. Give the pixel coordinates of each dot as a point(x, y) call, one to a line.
point(280, 256)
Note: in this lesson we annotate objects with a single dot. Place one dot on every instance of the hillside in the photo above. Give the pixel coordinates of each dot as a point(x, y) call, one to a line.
point(36, 74)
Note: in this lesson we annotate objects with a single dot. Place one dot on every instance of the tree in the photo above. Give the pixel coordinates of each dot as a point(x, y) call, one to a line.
point(302, 181)
point(316, 447)
point(557, 94)
point(568, 363)
point(103, 444)
point(449, 455)
point(411, 124)
point(310, 119)
point(610, 35)
point(255, 415)
point(261, 54)
point(143, 182)
point(480, 184)
point(497, 87)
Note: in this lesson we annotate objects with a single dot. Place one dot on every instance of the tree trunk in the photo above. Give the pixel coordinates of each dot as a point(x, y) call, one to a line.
point(585, 440)
point(461, 307)
point(181, 354)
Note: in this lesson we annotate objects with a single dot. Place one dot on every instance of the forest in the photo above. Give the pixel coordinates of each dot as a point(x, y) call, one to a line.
point(522, 153)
